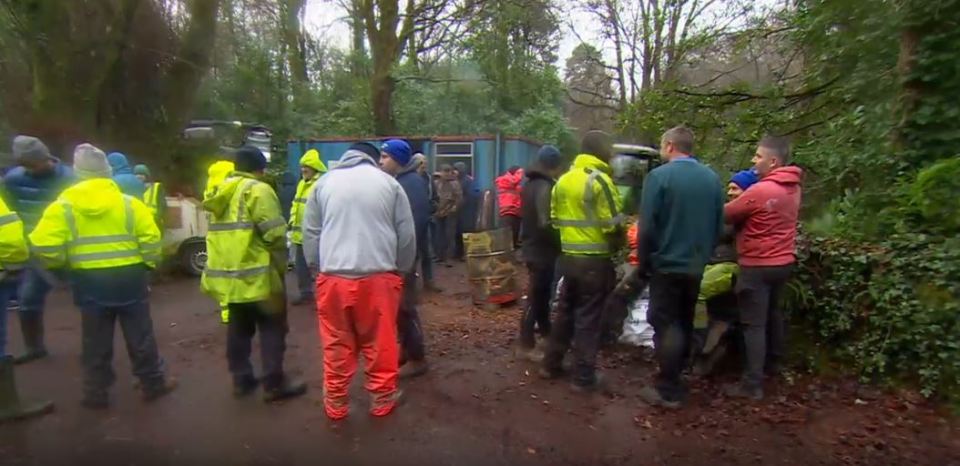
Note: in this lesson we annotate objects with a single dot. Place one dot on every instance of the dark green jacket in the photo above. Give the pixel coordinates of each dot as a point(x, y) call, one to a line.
point(681, 217)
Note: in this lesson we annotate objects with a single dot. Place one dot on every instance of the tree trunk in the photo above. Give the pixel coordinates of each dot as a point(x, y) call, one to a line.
point(614, 22)
point(912, 88)
point(294, 41)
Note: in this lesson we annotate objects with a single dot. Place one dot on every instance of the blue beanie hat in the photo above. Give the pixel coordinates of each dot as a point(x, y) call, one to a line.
point(744, 179)
point(250, 159)
point(398, 150)
point(549, 157)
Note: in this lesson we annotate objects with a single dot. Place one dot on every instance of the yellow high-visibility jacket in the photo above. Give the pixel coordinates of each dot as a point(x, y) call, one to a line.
point(245, 242)
point(13, 244)
point(217, 172)
point(585, 209)
point(92, 225)
point(310, 159)
point(154, 200)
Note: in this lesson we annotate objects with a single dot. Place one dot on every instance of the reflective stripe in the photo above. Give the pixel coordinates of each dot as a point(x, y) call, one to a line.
point(93, 256)
point(8, 218)
point(151, 196)
point(230, 226)
point(586, 247)
point(71, 222)
point(271, 224)
point(105, 239)
point(588, 223)
point(236, 273)
point(300, 200)
point(48, 249)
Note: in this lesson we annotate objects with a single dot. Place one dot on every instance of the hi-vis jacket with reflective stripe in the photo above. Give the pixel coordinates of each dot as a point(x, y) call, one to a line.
point(92, 225)
point(585, 209)
point(151, 197)
point(13, 244)
point(245, 242)
point(310, 159)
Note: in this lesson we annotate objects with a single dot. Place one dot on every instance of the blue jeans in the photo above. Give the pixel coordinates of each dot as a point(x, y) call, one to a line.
point(33, 291)
point(7, 289)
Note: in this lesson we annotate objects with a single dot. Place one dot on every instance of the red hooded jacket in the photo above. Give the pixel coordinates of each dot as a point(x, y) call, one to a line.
point(508, 192)
point(766, 219)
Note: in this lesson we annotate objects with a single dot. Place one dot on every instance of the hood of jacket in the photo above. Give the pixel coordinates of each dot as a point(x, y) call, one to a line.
point(352, 158)
point(118, 162)
point(787, 176)
point(219, 201)
point(509, 180)
point(312, 159)
point(592, 162)
point(93, 197)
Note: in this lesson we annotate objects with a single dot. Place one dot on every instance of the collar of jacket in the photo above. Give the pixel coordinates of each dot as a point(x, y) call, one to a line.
point(352, 158)
point(592, 162)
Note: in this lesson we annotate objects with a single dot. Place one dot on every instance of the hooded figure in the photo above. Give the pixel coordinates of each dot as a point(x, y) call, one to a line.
point(311, 169)
point(124, 177)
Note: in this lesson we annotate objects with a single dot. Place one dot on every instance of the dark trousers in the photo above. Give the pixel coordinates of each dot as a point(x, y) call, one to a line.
point(537, 312)
point(673, 299)
point(245, 320)
point(423, 253)
point(513, 223)
point(586, 283)
point(8, 289)
point(305, 280)
point(758, 294)
point(137, 327)
point(33, 291)
point(447, 236)
point(408, 321)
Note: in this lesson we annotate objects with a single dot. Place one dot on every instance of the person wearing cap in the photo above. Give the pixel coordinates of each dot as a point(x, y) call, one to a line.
point(311, 169)
point(123, 175)
point(246, 265)
point(358, 233)
point(33, 185)
point(396, 160)
point(109, 242)
point(588, 218)
point(155, 197)
point(540, 247)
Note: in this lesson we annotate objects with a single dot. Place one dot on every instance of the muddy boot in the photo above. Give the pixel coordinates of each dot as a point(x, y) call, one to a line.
point(244, 386)
point(652, 397)
point(739, 390)
point(31, 324)
point(599, 385)
point(286, 390)
point(11, 408)
point(534, 354)
point(159, 389)
point(413, 369)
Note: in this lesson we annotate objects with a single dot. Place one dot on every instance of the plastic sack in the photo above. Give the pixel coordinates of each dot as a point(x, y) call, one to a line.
point(717, 280)
point(636, 330)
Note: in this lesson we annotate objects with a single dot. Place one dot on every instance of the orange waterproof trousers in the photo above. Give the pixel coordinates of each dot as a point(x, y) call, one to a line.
point(359, 314)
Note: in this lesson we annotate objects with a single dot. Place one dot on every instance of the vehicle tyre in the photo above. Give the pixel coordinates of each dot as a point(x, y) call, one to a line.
point(193, 257)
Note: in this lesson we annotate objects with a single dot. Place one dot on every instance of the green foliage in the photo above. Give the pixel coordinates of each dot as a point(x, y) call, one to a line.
point(890, 310)
point(934, 195)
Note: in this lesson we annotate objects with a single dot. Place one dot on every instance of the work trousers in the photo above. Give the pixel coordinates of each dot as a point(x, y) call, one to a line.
point(8, 289)
point(447, 236)
point(359, 315)
point(305, 282)
point(536, 314)
point(758, 295)
point(673, 301)
point(586, 283)
point(97, 326)
point(408, 321)
point(513, 223)
point(423, 255)
point(33, 291)
point(245, 320)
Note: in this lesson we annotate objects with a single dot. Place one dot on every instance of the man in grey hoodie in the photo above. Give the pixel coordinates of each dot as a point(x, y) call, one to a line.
point(358, 234)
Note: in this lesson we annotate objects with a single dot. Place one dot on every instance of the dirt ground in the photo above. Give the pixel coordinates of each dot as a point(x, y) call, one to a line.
point(477, 406)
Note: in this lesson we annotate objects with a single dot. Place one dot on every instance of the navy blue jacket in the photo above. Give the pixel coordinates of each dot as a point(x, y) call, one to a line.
point(419, 196)
point(471, 203)
point(29, 195)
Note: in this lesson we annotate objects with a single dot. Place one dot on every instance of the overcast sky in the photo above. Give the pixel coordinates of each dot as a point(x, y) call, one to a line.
point(325, 18)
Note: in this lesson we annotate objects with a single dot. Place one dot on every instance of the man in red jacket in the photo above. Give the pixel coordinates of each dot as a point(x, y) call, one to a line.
point(508, 198)
point(766, 219)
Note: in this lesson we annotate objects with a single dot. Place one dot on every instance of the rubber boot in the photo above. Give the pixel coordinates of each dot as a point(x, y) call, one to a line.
point(11, 408)
point(287, 389)
point(31, 325)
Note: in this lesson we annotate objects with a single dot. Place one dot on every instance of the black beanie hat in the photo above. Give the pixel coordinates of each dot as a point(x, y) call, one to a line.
point(249, 159)
point(368, 149)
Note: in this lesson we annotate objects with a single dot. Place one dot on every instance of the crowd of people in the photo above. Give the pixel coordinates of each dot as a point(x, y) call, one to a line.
point(99, 221)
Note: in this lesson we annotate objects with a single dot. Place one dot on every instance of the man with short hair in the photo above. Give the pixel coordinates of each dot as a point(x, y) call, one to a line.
point(109, 242)
point(766, 219)
point(358, 232)
point(681, 218)
point(246, 265)
point(540, 248)
point(33, 185)
point(450, 200)
point(585, 210)
point(395, 159)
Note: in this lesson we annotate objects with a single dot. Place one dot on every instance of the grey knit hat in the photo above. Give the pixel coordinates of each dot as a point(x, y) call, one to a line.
point(30, 149)
point(90, 162)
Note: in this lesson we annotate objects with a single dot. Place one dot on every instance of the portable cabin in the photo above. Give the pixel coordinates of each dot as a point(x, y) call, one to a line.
point(488, 156)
